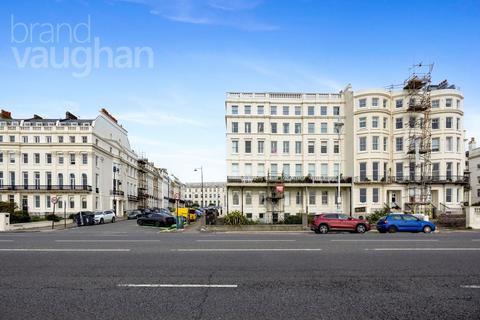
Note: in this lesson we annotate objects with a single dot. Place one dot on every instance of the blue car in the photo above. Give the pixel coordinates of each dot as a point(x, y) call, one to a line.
point(404, 222)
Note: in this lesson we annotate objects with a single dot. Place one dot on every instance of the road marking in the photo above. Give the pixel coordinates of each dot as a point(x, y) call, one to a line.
point(475, 239)
point(241, 250)
point(108, 240)
point(386, 240)
point(64, 250)
point(249, 240)
point(470, 286)
point(423, 249)
point(178, 285)
point(6, 240)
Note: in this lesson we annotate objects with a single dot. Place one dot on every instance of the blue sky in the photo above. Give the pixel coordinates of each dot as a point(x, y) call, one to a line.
point(174, 110)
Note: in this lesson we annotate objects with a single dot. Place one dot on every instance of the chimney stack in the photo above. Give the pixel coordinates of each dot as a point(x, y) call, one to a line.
point(5, 114)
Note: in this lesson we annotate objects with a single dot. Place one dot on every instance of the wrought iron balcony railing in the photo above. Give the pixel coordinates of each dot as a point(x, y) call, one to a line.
point(48, 187)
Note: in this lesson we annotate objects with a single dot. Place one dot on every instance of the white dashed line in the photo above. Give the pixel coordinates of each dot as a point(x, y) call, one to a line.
point(178, 285)
point(107, 240)
point(386, 240)
point(470, 286)
point(64, 250)
point(243, 250)
point(423, 249)
point(249, 240)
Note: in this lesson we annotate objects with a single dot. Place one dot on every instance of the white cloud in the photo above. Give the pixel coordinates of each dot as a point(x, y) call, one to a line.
point(231, 13)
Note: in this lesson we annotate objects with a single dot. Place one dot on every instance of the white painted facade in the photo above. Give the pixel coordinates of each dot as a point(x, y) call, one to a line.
point(213, 193)
point(71, 159)
point(270, 134)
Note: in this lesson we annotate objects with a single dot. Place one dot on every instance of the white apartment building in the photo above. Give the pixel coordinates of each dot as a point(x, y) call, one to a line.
point(213, 193)
point(474, 170)
point(87, 164)
point(292, 142)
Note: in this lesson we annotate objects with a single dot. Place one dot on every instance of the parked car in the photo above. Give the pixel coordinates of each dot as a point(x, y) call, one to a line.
point(323, 223)
point(104, 216)
point(158, 219)
point(133, 214)
point(84, 218)
point(404, 222)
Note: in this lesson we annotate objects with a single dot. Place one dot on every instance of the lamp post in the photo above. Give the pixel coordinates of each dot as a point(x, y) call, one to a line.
point(115, 171)
point(203, 204)
point(338, 127)
point(201, 177)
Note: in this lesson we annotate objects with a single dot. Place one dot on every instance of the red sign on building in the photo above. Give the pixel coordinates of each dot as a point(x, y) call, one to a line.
point(279, 188)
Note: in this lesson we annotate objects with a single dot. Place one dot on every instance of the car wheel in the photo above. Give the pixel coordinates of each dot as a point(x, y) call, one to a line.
point(323, 229)
point(392, 229)
point(113, 220)
point(427, 229)
point(317, 231)
point(101, 221)
point(360, 228)
point(140, 222)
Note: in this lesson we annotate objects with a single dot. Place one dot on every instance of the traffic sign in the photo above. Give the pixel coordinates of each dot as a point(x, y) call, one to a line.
point(54, 200)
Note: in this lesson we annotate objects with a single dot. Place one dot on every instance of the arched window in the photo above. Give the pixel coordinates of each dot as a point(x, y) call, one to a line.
point(84, 203)
point(248, 198)
point(236, 199)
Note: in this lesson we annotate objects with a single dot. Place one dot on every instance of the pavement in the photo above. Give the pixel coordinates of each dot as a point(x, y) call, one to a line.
point(124, 271)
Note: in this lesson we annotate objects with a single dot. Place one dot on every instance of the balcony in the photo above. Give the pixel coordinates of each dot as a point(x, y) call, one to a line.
point(117, 193)
point(306, 179)
point(132, 198)
point(435, 179)
point(56, 188)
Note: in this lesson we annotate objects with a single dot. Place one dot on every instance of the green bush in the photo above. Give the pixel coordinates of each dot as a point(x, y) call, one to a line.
point(19, 217)
point(71, 216)
point(8, 207)
point(36, 219)
point(296, 219)
point(374, 217)
point(236, 218)
point(53, 217)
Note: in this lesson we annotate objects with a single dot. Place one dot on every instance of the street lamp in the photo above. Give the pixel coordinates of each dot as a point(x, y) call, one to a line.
point(115, 171)
point(338, 128)
point(201, 177)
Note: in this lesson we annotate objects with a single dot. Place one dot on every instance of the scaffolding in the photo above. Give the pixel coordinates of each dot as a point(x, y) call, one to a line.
point(142, 184)
point(419, 151)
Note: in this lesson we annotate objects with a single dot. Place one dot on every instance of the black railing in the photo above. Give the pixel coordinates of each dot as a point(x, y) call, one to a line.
point(65, 187)
point(288, 179)
point(117, 193)
point(457, 179)
point(132, 198)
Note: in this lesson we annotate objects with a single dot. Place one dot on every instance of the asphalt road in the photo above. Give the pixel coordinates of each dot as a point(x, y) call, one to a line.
point(123, 271)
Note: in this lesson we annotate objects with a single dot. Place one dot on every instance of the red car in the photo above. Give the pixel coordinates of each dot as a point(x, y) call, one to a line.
point(322, 223)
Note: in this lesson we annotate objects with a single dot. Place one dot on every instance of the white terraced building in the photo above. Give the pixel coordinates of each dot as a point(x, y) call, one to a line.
point(213, 193)
point(68, 158)
point(291, 142)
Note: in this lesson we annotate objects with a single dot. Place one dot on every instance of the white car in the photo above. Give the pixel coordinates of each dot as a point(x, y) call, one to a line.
point(104, 216)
